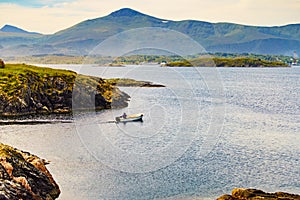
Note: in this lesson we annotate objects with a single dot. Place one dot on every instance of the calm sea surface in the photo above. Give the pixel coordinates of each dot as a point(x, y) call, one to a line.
point(208, 131)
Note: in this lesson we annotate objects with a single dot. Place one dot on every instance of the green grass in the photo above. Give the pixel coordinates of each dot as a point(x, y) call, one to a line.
point(24, 69)
point(16, 77)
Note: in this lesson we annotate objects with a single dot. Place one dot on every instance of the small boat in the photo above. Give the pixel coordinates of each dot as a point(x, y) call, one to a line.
point(130, 118)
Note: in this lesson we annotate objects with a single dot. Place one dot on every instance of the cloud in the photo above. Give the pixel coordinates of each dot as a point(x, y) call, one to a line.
point(35, 3)
point(48, 16)
point(44, 19)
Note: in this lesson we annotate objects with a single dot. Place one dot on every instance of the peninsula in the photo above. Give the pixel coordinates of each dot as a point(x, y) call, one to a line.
point(30, 90)
point(27, 90)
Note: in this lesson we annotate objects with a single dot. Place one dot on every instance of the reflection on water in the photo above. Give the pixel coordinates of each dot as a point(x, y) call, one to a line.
point(202, 135)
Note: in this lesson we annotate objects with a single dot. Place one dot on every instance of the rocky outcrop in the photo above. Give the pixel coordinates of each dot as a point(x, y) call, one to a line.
point(25, 176)
point(254, 194)
point(126, 82)
point(33, 90)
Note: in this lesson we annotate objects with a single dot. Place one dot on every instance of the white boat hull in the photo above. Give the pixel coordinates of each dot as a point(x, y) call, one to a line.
point(130, 118)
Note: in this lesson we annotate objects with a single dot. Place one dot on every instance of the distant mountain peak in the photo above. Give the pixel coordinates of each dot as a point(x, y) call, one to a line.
point(13, 29)
point(126, 12)
point(81, 38)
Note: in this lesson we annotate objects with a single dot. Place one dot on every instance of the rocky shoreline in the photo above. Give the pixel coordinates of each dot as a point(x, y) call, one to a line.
point(37, 92)
point(34, 91)
point(25, 176)
point(255, 194)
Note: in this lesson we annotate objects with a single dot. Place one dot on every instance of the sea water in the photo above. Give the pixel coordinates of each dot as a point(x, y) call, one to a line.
point(208, 131)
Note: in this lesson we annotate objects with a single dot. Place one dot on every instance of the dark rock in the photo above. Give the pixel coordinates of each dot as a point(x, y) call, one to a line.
point(226, 197)
point(100, 102)
point(39, 105)
point(58, 105)
point(152, 85)
point(2, 65)
point(254, 194)
point(11, 190)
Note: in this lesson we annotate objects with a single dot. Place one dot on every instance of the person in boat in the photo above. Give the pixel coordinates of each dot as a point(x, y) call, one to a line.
point(124, 115)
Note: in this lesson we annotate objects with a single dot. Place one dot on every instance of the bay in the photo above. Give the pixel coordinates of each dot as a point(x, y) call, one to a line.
point(208, 131)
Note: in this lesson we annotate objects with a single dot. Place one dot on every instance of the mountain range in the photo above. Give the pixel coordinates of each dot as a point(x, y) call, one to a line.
point(81, 38)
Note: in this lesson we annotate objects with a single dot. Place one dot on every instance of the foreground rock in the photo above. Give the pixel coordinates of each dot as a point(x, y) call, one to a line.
point(24, 176)
point(254, 194)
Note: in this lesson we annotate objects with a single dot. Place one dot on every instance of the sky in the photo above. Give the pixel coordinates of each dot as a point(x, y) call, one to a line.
point(50, 16)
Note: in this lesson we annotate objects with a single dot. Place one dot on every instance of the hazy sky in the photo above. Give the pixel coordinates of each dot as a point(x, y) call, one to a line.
point(49, 16)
